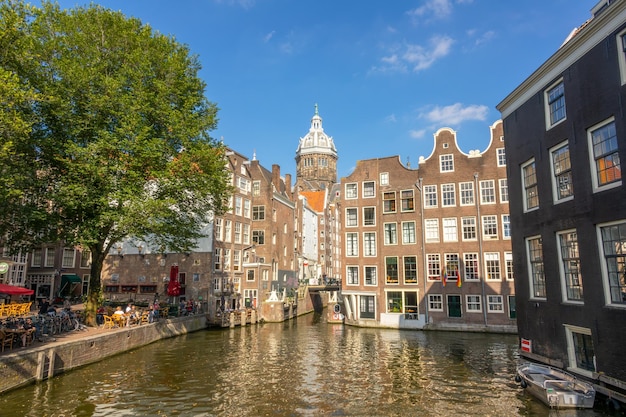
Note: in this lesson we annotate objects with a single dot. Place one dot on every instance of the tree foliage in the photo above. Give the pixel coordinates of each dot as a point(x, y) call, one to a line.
point(104, 131)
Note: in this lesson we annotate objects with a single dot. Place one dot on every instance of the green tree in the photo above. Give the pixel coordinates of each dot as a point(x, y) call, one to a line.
point(108, 135)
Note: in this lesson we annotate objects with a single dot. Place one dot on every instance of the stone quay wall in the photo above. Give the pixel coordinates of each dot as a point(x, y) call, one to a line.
point(38, 363)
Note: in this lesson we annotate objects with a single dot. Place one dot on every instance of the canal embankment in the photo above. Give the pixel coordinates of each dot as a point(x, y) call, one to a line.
point(42, 361)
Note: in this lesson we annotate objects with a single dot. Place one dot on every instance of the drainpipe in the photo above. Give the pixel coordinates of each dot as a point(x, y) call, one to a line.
point(418, 185)
point(480, 246)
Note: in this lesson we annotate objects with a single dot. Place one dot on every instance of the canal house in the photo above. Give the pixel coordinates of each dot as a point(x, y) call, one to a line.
point(565, 138)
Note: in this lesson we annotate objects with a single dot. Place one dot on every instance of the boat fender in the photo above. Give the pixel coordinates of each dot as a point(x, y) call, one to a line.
point(523, 384)
point(518, 379)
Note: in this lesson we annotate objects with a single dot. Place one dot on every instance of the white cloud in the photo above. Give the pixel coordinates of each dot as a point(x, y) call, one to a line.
point(391, 118)
point(438, 8)
point(269, 36)
point(421, 58)
point(485, 37)
point(417, 134)
point(455, 114)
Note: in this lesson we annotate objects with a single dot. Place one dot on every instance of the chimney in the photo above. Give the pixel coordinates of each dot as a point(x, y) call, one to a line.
point(288, 184)
point(276, 176)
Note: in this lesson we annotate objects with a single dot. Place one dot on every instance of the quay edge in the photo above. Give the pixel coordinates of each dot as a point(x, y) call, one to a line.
point(43, 362)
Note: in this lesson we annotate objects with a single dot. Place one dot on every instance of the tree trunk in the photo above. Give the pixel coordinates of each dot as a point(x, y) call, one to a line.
point(94, 297)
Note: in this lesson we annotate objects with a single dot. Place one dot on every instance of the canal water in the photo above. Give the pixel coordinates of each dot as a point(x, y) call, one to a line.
point(305, 367)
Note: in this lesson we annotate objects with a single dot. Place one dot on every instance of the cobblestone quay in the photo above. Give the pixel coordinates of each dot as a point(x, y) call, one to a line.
point(41, 361)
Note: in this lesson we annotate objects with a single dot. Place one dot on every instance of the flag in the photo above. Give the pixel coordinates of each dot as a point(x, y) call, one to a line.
point(458, 278)
point(444, 277)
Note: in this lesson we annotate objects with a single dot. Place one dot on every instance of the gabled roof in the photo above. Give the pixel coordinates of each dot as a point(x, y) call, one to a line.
point(316, 199)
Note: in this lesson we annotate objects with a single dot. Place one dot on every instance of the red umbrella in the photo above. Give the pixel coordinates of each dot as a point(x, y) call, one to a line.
point(173, 288)
point(15, 290)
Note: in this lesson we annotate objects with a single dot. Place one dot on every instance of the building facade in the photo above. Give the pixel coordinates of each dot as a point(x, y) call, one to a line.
point(430, 247)
point(565, 138)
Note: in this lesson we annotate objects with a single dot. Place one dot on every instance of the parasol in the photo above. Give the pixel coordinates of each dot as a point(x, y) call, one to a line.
point(15, 290)
point(173, 288)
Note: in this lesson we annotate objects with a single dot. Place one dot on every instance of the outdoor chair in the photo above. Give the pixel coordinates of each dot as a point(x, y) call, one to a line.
point(6, 339)
point(108, 322)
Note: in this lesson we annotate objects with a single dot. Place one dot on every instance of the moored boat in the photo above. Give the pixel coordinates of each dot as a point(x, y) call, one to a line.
point(554, 387)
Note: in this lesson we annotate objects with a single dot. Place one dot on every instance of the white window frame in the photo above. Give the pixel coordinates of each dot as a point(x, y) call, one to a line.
point(508, 266)
point(604, 258)
point(391, 233)
point(531, 270)
point(367, 275)
point(501, 157)
point(473, 303)
point(352, 221)
point(527, 187)
point(592, 160)
point(373, 218)
point(506, 226)
point(487, 192)
point(352, 275)
point(571, 350)
point(352, 244)
point(409, 233)
point(450, 229)
point(621, 54)
point(466, 195)
point(448, 195)
point(471, 229)
point(369, 189)
point(557, 171)
point(351, 191)
point(490, 222)
point(431, 230)
point(471, 259)
point(564, 270)
point(384, 178)
point(369, 244)
point(548, 110)
point(430, 196)
point(446, 163)
point(495, 303)
point(435, 302)
point(503, 187)
point(493, 257)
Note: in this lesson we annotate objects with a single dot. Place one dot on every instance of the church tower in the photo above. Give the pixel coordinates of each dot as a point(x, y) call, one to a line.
point(316, 158)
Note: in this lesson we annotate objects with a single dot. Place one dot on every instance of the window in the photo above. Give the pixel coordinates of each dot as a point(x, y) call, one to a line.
point(85, 258)
point(571, 275)
point(246, 208)
point(561, 168)
point(430, 196)
point(237, 232)
point(432, 230)
point(49, 261)
point(352, 244)
point(69, 255)
point(391, 268)
point(237, 260)
point(369, 244)
point(529, 182)
point(487, 192)
point(473, 304)
point(370, 275)
point(613, 238)
point(467, 193)
point(450, 230)
point(408, 201)
point(506, 226)
point(368, 189)
point(508, 260)
point(352, 273)
point(434, 266)
point(580, 349)
point(501, 157)
point(246, 234)
point(606, 170)
point(391, 234)
point(448, 197)
point(394, 302)
point(367, 304)
point(504, 190)
point(217, 258)
point(351, 217)
point(384, 178)
point(36, 258)
point(256, 188)
point(244, 184)
point(351, 191)
point(435, 302)
point(495, 304)
point(536, 271)
point(218, 229)
point(258, 237)
point(492, 265)
point(446, 163)
point(238, 206)
point(469, 228)
point(408, 233)
point(227, 230)
point(555, 99)
point(470, 261)
point(369, 216)
point(490, 227)
point(389, 202)
point(410, 270)
point(452, 266)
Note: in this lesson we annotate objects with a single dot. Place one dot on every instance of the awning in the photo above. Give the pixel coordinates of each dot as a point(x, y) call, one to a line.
point(15, 290)
point(74, 279)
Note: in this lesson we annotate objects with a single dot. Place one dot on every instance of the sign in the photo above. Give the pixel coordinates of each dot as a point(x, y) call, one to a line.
point(337, 308)
point(4, 267)
point(527, 345)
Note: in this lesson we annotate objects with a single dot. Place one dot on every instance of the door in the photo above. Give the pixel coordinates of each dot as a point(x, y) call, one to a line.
point(454, 306)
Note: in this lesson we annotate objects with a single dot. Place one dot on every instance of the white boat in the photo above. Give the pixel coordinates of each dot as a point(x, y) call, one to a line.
point(554, 387)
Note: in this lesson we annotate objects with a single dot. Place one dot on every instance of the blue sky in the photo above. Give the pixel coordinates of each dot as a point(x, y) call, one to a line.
point(386, 75)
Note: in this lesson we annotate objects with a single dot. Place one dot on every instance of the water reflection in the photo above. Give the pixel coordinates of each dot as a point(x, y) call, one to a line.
point(300, 368)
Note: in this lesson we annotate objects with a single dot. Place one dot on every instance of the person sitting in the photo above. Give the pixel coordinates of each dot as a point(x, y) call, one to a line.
point(100, 315)
point(29, 329)
point(43, 306)
point(119, 315)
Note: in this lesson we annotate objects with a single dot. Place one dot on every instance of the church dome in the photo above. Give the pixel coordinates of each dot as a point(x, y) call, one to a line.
point(316, 141)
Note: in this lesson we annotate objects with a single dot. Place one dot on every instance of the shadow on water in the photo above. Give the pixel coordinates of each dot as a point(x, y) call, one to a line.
point(305, 367)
